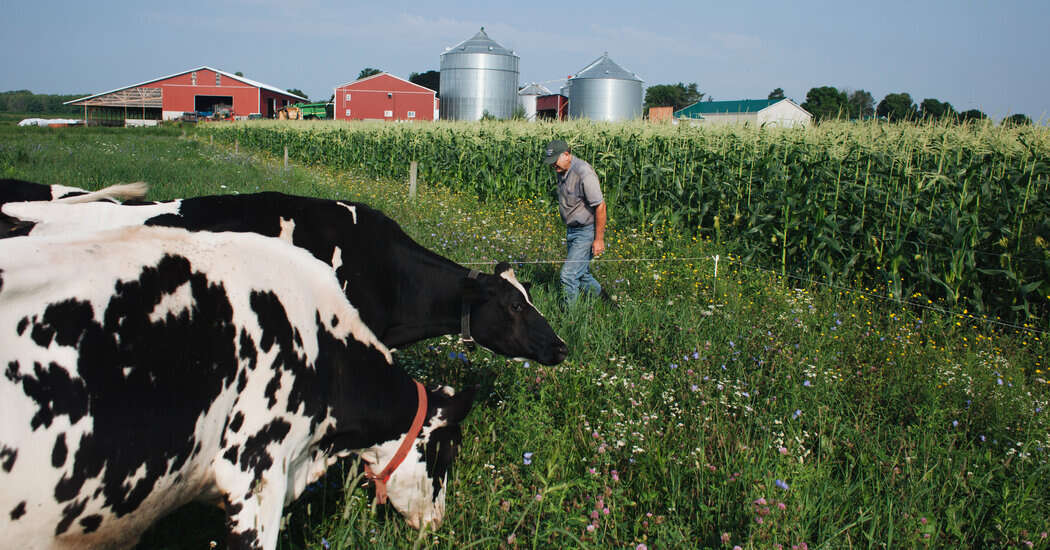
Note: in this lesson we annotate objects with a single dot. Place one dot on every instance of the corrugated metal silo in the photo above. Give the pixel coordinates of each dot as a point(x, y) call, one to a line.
point(478, 76)
point(604, 90)
point(527, 99)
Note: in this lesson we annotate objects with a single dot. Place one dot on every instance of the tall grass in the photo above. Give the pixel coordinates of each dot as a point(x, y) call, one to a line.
point(703, 413)
point(919, 212)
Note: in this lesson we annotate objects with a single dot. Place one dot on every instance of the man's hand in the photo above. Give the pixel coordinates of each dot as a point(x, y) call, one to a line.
point(597, 247)
point(600, 216)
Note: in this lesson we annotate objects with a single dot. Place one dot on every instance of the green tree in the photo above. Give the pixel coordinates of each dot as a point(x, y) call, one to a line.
point(26, 102)
point(677, 96)
point(430, 79)
point(897, 107)
point(238, 73)
point(825, 102)
point(367, 72)
point(1018, 120)
point(298, 92)
point(972, 114)
point(777, 93)
point(935, 109)
point(860, 104)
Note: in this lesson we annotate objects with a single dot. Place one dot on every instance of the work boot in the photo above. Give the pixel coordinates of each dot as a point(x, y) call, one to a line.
point(608, 300)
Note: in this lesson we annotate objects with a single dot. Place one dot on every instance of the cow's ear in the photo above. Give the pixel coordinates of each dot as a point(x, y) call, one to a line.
point(501, 267)
point(460, 404)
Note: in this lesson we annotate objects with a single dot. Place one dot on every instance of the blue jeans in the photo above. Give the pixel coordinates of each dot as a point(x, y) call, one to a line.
point(575, 273)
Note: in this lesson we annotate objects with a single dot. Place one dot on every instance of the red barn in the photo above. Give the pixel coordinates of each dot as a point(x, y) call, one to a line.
point(384, 97)
point(552, 107)
point(203, 89)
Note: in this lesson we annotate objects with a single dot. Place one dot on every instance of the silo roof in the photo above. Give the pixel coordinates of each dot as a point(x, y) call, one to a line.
point(603, 67)
point(480, 43)
point(534, 89)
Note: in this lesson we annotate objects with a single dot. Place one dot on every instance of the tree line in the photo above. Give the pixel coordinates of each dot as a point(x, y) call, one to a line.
point(26, 102)
point(830, 103)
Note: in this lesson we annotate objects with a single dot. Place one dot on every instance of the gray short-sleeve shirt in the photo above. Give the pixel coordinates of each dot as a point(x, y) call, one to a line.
point(579, 193)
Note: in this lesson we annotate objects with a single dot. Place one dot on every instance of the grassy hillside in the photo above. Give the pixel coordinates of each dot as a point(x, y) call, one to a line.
point(704, 412)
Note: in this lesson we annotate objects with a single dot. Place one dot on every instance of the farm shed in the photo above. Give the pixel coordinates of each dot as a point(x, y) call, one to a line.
point(384, 97)
point(203, 89)
point(552, 107)
point(759, 112)
point(527, 99)
point(661, 114)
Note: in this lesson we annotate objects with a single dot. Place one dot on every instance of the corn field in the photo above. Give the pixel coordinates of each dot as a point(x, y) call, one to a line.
point(957, 216)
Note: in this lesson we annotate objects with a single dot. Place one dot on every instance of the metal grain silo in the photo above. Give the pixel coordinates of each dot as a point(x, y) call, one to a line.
point(527, 99)
point(478, 76)
point(604, 90)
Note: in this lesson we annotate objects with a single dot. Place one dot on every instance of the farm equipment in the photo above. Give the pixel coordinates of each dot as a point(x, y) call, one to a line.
point(304, 111)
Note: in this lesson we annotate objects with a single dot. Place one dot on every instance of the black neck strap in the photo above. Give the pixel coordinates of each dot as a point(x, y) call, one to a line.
point(464, 319)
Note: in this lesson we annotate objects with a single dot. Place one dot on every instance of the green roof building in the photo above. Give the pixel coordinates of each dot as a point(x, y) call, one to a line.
point(760, 112)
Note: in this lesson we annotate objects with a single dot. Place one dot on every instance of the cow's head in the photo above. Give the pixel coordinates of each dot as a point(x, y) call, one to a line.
point(503, 319)
point(417, 486)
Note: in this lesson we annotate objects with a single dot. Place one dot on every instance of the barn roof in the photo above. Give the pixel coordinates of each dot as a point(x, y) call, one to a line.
point(378, 75)
point(247, 81)
point(698, 109)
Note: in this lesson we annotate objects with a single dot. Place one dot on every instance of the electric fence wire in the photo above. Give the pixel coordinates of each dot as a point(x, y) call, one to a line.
point(776, 273)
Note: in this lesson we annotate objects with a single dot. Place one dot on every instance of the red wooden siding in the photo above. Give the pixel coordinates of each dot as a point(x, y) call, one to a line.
point(384, 97)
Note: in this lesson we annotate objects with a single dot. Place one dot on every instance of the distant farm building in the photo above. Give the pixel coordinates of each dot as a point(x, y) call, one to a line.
point(200, 90)
point(552, 107)
point(478, 77)
point(661, 114)
point(527, 99)
point(384, 97)
point(759, 112)
point(604, 90)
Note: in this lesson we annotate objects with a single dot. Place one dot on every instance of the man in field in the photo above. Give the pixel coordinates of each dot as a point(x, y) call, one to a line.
point(582, 208)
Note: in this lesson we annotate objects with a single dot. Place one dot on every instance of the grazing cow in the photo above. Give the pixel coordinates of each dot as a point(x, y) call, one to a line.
point(404, 292)
point(148, 367)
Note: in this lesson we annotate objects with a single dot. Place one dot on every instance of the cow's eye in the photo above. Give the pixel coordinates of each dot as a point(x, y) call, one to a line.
point(517, 308)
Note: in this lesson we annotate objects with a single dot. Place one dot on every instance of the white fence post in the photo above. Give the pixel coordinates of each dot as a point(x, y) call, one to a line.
point(412, 179)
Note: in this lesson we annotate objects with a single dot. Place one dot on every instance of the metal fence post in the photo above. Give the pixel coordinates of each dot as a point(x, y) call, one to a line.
point(285, 157)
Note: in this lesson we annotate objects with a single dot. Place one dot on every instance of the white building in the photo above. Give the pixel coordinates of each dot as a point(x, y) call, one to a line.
point(783, 113)
point(527, 99)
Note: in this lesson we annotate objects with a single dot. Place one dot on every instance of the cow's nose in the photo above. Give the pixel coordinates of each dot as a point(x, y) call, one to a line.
point(432, 523)
point(561, 351)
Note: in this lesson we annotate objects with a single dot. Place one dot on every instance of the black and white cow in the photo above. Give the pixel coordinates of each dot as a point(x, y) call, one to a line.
point(146, 367)
point(12, 190)
point(404, 292)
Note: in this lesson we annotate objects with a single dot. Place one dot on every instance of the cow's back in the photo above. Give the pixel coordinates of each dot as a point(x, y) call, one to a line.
point(125, 354)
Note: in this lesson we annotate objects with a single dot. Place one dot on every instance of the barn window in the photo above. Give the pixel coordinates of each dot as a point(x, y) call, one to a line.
point(218, 79)
point(411, 114)
point(348, 112)
point(347, 97)
point(193, 78)
point(388, 113)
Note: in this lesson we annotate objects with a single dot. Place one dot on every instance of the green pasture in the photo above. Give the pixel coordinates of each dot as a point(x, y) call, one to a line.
point(745, 409)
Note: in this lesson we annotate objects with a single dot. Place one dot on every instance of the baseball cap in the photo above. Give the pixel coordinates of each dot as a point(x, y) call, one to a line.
point(554, 150)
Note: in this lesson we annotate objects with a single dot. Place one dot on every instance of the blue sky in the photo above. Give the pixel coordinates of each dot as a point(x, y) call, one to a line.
point(985, 55)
